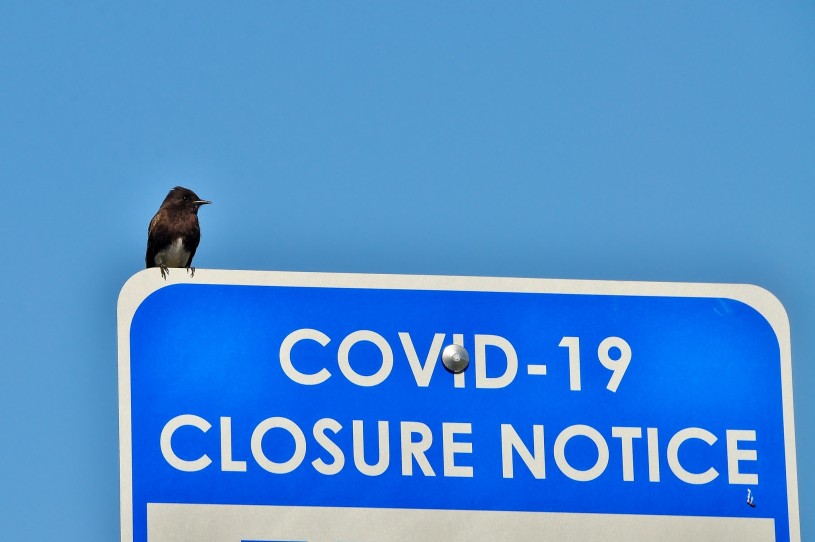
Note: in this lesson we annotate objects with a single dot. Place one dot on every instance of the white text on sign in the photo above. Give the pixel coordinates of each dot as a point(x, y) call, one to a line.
point(614, 353)
point(416, 438)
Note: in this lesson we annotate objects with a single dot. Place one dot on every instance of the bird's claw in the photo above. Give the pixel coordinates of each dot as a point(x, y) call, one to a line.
point(164, 271)
point(191, 271)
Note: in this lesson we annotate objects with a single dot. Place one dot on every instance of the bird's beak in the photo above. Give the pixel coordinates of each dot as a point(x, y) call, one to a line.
point(200, 202)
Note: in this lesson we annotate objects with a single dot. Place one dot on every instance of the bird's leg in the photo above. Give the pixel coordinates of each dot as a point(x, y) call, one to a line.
point(191, 271)
point(164, 271)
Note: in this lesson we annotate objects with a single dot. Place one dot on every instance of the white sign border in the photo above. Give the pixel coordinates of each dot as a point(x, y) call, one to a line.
point(144, 283)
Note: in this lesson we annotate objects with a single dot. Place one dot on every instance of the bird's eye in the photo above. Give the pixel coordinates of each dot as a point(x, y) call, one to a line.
point(186, 198)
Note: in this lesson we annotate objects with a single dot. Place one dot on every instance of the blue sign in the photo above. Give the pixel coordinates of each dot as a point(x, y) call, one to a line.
point(287, 406)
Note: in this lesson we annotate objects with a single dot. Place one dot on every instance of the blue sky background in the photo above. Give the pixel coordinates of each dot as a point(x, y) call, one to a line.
point(628, 140)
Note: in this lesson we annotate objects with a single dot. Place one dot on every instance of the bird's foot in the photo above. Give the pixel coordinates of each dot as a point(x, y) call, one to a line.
point(164, 271)
point(191, 271)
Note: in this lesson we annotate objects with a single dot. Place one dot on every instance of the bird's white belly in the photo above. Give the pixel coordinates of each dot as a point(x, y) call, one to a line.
point(175, 255)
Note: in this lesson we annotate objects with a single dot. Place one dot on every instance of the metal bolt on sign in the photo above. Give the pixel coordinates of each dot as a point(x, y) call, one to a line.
point(455, 358)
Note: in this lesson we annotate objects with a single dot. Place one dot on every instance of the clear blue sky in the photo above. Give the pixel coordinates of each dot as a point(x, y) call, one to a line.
point(630, 140)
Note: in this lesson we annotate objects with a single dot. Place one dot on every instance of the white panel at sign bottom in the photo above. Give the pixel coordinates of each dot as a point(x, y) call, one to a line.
point(228, 523)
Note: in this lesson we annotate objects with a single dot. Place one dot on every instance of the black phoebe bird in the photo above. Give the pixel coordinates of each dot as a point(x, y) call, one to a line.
point(174, 233)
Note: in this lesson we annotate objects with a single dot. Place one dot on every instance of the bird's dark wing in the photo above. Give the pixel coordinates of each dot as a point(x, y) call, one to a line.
point(192, 239)
point(189, 262)
point(159, 236)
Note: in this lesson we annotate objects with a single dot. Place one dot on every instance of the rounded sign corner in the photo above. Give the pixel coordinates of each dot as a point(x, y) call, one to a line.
point(768, 306)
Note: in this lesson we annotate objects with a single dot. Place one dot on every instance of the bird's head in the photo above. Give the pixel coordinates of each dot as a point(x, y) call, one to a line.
point(183, 199)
